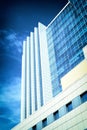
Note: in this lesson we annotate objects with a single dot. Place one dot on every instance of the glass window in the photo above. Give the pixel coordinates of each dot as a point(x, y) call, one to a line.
point(44, 122)
point(56, 115)
point(84, 97)
point(34, 127)
point(69, 106)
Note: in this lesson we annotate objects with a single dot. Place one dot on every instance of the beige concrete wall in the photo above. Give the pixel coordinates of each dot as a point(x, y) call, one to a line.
point(74, 120)
point(74, 75)
point(55, 104)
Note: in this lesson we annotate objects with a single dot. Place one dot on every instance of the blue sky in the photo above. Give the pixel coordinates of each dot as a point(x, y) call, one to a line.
point(17, 20)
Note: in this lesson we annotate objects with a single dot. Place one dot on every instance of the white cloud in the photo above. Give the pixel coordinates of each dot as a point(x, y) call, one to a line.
point(10, 99)
point(11, 90)
point(9, 41)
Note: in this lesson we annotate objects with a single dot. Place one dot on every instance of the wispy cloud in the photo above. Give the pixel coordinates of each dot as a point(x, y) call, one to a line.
point(10, 99)
point(10, 43)
point(11, 89)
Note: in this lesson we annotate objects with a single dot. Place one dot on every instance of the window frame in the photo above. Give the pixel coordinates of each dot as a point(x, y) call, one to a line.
point(69, 106)
point(56, 115)
point(44, 122)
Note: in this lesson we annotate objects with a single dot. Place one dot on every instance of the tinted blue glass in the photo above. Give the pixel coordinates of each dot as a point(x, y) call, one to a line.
point(84, 97)
point(69, 106)
point(44, 122)
point(66, 37)
point(34, 127)
point(56, 115)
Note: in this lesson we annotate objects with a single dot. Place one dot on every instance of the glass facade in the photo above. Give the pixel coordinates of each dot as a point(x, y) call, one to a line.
point(66, 36)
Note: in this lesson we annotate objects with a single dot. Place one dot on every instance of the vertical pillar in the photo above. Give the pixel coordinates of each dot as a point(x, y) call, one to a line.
point(37, 69)
point(28, 74)
point(32, 73)
point(23, 84)
point(45, 66)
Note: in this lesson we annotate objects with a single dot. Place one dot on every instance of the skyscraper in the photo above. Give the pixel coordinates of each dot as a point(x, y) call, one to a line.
point(36, 82)
point(65, 43)
point(66, 36)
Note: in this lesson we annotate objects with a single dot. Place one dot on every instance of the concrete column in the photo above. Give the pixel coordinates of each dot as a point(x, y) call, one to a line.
point(32, 73)
point(45, 67)
point(28, 74)
point(37, 69)
point(23, 82)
